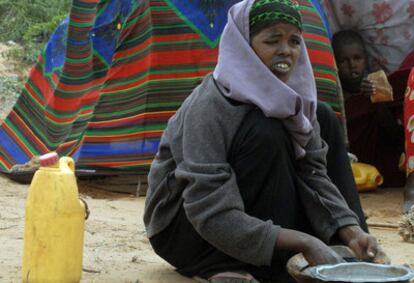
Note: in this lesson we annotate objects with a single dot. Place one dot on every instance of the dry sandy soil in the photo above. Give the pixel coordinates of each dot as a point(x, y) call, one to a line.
point(116, 249)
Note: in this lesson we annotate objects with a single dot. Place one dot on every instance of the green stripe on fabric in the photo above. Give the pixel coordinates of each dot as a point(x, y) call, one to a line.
point(128, 130)
point(153, 81)
point(318, 42)
point(80, 25)
point(79, 60)
point(140, 107)
point(310, 26)
point(138, 18)
point(171, 71)
point(155, 44)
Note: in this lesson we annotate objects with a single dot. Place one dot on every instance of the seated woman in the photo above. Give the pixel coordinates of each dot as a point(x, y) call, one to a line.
point(375, 136)
point(239, 183)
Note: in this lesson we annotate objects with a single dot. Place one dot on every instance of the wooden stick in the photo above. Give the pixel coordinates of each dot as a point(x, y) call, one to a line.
point(382, 225)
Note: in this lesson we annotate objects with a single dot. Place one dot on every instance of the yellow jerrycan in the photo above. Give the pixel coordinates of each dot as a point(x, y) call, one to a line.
point(366, 176)
point(54, 224)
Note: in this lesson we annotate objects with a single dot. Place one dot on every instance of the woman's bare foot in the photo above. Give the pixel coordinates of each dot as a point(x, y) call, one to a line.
point(408, 194)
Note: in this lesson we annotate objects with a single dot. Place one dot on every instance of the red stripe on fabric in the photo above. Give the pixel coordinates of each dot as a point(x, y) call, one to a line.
point(131, 119)
point(86, 111)
point(311, 14)
point(126, 137)
point(7, 164)
point(321, 57)
point(40, 81)
point(80, 19)
point(90, 84)
point(185, 75)
point(34, 95)
point(120, 163)
point(56, 119)
point(65, 146)
point(312, 36)
point(164, 58)
point(55, 78)
point(80, 29)
point(91, 1)
point(91, 96)
point(28, 131)
point(325, 76)
point(64, 104)
point(78, 56)
point(82, 64)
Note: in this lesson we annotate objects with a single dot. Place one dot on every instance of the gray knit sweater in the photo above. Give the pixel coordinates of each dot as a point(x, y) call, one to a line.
point(191, 169)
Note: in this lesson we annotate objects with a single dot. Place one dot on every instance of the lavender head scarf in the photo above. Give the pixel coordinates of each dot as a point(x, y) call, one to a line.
point(243, 77)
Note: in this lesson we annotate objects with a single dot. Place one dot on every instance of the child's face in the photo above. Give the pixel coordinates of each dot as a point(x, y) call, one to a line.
point(352, 63)
point(279, 47)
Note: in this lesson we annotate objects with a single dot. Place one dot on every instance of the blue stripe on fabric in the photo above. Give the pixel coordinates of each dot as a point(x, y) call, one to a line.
point(322, 13)
point(209, 17)
point(55, 48)
point(109, 149)
point(12, 148)
point(78, 43)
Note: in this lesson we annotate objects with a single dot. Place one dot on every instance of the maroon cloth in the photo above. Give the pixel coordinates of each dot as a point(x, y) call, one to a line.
point(398, 79)
point(375, 136)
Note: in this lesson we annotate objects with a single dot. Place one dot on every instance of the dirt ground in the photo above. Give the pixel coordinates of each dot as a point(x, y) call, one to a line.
point(116, 249)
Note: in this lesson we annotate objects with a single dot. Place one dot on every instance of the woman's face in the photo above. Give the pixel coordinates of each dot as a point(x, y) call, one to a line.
point(278, 46)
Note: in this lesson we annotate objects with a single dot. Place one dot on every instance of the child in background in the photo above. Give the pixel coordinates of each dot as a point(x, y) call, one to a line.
point(375, 135)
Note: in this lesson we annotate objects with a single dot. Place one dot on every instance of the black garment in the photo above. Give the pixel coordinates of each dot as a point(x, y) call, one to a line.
point(268, 189)
point(338, 165)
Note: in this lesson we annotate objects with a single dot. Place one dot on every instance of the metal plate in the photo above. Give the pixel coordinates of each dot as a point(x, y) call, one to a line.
point(362, 272)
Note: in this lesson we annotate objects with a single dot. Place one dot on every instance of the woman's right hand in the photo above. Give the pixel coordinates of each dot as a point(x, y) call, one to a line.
point(317, 253)
point(314, 250)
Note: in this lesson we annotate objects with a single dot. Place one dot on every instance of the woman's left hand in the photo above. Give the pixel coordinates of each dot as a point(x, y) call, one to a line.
point(364, 245)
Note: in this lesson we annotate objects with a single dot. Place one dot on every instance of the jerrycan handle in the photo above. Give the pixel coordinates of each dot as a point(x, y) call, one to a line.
point(67, 164)
point(51, 159)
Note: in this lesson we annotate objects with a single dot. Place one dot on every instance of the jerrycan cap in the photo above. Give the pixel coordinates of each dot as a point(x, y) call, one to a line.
point(48, 159)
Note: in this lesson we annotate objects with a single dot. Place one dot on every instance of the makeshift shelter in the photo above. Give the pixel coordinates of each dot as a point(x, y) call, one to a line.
point(385, 25)
point(115, 71)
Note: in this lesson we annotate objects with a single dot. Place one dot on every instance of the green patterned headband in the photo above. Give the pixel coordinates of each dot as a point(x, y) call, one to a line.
point(265, 12)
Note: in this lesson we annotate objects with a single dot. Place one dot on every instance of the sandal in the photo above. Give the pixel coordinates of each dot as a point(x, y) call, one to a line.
point(230, 277)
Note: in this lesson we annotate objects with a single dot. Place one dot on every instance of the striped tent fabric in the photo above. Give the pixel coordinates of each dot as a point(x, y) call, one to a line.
point(115, 71)
point(317, 37)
